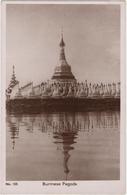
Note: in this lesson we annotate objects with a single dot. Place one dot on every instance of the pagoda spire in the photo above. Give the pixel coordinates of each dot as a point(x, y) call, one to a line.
point(13, 81)
point(62, 57)
point(13, 74)
point(63, 70)
point(62, 44)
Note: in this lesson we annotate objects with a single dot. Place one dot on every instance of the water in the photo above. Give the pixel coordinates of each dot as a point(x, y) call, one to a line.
point(63, 146)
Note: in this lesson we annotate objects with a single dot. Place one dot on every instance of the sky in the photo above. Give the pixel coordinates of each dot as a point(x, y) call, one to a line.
point(91, 34)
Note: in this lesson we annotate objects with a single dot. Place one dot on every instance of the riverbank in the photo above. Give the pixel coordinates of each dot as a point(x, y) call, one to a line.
point(39, 105)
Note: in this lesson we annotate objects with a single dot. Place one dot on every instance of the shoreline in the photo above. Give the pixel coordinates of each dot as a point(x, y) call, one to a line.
point(39, 105)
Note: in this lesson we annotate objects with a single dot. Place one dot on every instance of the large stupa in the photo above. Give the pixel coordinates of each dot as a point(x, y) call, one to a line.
point(63, 70)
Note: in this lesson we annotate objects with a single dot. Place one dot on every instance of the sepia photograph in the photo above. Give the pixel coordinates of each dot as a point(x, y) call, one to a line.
point(63, 92)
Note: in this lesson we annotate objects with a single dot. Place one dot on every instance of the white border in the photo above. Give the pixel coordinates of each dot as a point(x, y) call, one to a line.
point(101, 2)
point(87, 187)
point(0, 96)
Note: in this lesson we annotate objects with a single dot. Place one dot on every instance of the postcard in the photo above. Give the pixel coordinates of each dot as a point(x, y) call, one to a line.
point(63, 97)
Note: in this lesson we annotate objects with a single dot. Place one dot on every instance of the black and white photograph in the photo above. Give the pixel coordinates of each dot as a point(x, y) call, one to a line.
point(63, 101)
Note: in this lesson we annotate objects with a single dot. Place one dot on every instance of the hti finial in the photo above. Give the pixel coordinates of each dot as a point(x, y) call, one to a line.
point(13, 68)
point(62, 31)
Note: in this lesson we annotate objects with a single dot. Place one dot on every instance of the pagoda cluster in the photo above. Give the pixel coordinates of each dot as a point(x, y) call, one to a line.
point(82, 90)
point(75, 89)
point(63, 84)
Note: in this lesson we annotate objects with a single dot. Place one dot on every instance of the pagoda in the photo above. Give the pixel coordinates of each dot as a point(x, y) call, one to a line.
point(13, 81)
point(63, 70)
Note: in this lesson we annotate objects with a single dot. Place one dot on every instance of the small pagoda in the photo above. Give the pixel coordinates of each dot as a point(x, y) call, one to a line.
point(13, 81)
point(63, 70)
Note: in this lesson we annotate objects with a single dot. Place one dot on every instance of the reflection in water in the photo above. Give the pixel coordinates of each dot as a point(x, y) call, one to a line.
point(14, 131)
point(65, 133)
point(64, 130)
